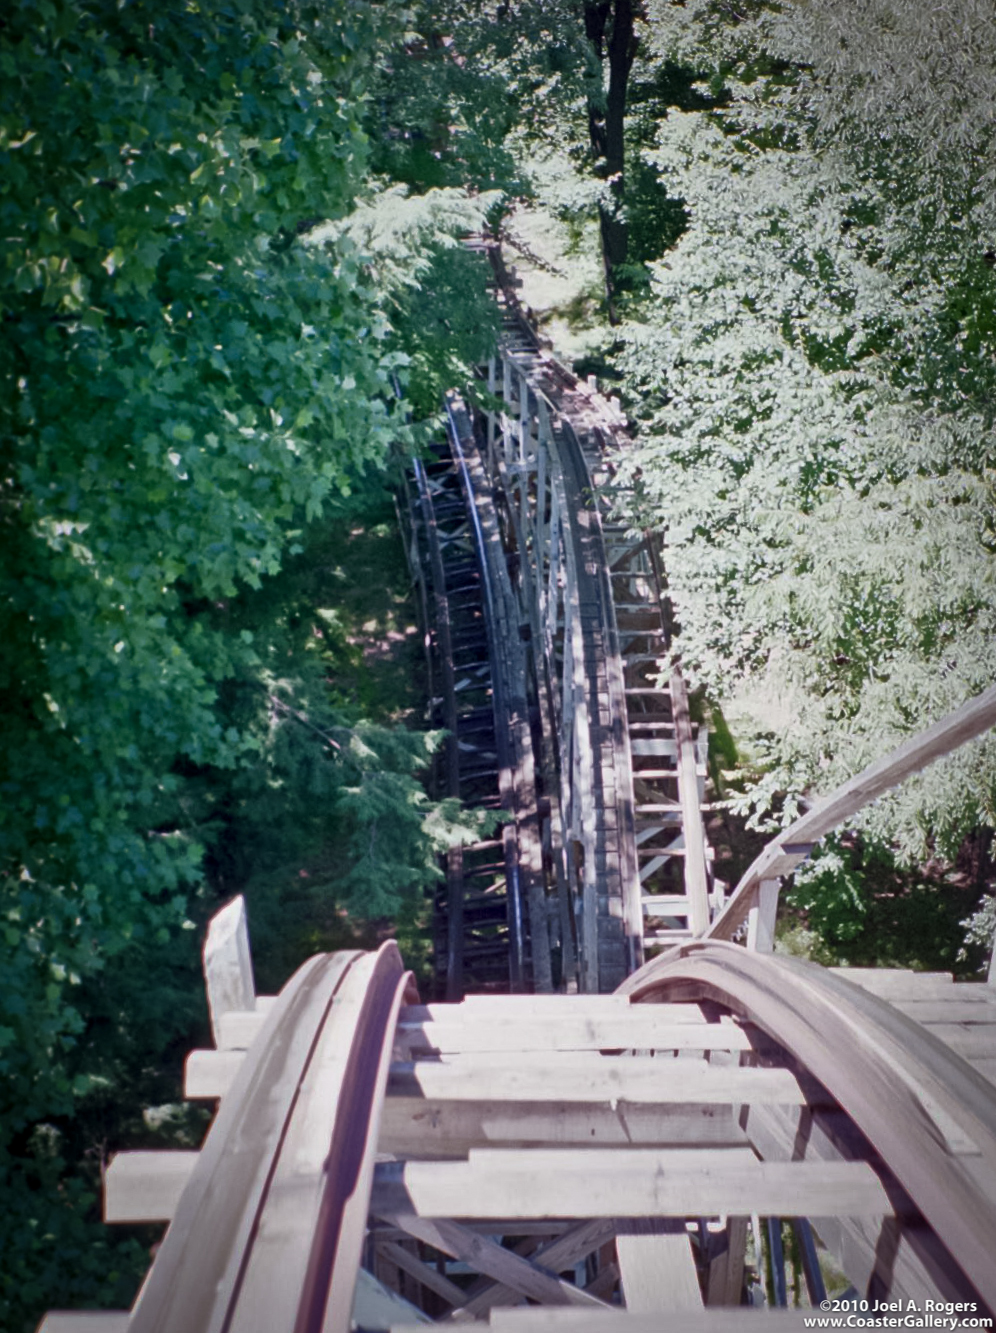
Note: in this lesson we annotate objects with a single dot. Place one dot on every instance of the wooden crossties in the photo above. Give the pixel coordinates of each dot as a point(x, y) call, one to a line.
point(479, 936)
point(545, 1161)
point(659, 1216)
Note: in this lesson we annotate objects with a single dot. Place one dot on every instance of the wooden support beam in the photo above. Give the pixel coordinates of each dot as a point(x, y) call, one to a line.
point(793, 844)
point(957, 1009)
point(632, 1031)
point(207, 1075)
point(725, 1281)
point(521, 1011)
point(761, 921)
point(85, 1321)
point(638, 1183)
point(975, 1042)
point(576, 1243)
point(899, 983)
point(239, 1028)
point(487, 1256)
point(527, 1007)
point(227, 964)
point(422, 1272)
point(657, 1267)
point(420, 1127)
point(581, 1076)
point(146, 1186)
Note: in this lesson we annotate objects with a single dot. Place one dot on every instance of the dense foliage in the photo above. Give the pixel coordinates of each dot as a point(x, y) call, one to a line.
point(807, 348)
point(813, 376)
point(228, 238)
point(195, 380)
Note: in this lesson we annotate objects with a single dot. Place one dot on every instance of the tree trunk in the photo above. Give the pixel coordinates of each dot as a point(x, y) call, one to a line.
point(606, 127)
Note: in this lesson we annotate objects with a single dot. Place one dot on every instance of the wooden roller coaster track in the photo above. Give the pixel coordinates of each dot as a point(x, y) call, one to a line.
point(580, 1162)
point(548, 623)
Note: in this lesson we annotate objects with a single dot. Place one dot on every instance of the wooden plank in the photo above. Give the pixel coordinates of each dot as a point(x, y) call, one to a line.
point(486, 1256)
point(638, 1183)
point(420, 1127)
point(422, 1272)
point(975, 1041)
point(589, 1077)
point(761, 919)
point(657, 1267)
point(227, 963)
point(239, 1028)
point(208, 1075)
point(85, 1321)
point(791, 846)
point(633, 1031)
point(955, 1010)
point(725, 1279)
point(517, 1008)
point(146, 1186)
point(963, 724)
point(892, 982)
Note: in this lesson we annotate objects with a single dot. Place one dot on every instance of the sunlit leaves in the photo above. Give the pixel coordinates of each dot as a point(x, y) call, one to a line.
point(814, 387)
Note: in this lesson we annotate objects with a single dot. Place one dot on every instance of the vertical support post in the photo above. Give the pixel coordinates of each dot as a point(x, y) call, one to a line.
point(227, 964)
point(454, 925)
point(761, 920)
point(696, 871)
point(492, 385)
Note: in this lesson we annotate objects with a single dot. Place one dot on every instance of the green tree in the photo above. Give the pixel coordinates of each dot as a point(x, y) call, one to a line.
point(814, 384)
point(190, 380)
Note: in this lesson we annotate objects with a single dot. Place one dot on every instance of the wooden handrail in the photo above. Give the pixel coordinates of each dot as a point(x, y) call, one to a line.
point(792, 845)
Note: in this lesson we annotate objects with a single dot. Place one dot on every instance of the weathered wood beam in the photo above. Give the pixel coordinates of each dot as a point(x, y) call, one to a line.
point(639, 1183)
point(431, 1128)
point(487, 1256)
point(657, 1267)
point(794, 844)
point(227, 963)
point(146, 1186)
point(589, 1077)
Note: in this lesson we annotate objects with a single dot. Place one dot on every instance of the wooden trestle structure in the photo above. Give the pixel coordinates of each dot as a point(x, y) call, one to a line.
point(548, 623)
point(587, 1162)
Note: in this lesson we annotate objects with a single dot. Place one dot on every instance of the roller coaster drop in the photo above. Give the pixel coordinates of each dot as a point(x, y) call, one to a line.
point(547, 620)
point(587, 1161)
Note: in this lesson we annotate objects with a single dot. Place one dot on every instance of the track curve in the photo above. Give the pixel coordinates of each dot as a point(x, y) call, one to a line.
point(604, 773)
point(377, 1163)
